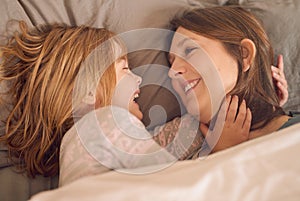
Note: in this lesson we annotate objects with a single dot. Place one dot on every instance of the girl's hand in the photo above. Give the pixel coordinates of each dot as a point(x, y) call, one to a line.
point(280, 81)
point(236, 128)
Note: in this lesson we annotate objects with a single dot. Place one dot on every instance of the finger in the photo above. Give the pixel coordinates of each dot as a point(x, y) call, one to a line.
point(281, 79)
point(241, 115)
point(232, 110)
point(278, 75)
point(204, 129)
point(280, 64)
point(228, 100)
point(221, 116)
point(283, 89)
point(275, 70)
point(283, 94)
point(247, 122)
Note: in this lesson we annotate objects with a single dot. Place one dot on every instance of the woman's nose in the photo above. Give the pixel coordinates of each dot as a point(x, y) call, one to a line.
point(177, 68)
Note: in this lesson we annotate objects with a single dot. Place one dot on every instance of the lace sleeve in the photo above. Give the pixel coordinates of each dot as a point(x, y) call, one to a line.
point(181, 137)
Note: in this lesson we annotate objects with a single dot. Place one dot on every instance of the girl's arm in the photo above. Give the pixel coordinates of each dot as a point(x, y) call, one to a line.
point(234, 130)
point(181, 137)
point(280, 81)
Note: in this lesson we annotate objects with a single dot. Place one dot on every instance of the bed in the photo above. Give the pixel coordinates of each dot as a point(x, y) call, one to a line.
point(266, 168)
point(245, 172)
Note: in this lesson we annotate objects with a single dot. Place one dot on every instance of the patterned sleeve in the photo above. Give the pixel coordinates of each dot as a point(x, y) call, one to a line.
point(181, 137)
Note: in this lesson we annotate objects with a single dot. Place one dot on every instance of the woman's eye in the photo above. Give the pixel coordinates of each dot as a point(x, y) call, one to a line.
point(188, 50)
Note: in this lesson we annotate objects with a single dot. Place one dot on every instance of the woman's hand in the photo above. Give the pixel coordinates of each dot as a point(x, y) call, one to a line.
point(280, 81)
point(236, 127)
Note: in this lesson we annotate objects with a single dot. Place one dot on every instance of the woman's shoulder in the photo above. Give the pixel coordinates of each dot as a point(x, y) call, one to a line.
point(294, 119)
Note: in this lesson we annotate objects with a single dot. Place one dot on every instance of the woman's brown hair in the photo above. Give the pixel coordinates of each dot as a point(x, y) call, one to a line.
point(40, 67)
point(230, 25)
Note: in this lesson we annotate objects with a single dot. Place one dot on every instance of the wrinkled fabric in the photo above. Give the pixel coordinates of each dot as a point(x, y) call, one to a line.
point(112, 138)
point(266, 168)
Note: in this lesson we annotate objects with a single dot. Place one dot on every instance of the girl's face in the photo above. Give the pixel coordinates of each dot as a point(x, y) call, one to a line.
point(201, 68)
point(127, 88)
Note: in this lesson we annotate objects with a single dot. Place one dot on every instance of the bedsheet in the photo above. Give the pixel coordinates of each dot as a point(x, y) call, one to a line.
point(266, 168)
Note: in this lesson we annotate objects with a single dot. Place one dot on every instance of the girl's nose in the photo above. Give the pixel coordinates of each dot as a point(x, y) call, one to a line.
point(137, 78)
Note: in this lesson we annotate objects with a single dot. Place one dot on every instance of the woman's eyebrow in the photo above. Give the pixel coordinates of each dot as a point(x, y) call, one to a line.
point(181, 43)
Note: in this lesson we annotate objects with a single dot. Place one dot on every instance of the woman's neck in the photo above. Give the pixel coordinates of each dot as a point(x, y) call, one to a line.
point(272, 126)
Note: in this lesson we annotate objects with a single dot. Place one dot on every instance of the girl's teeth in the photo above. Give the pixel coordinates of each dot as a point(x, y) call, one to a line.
point(136, 95)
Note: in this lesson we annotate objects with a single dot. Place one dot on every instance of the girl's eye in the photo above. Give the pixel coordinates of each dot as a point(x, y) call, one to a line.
point(188, 50)
point(126, 68)
point(171, 59)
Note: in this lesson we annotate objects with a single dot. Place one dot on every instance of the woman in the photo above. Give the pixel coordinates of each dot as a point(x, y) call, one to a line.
point(230, 42)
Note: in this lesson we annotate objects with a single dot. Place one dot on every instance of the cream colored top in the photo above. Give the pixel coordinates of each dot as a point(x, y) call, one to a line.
point(109, 138)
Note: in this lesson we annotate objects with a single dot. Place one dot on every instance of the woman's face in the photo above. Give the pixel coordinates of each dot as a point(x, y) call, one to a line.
point(127, 88)
point(202, 72)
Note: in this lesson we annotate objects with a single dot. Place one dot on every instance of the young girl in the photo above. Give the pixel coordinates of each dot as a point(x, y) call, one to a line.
point(47, 85)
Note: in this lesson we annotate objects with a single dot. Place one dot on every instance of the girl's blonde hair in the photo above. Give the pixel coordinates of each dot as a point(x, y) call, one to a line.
point(42, 68)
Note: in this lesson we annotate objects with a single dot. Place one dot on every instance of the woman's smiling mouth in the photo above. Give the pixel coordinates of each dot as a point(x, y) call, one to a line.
point(191, 84)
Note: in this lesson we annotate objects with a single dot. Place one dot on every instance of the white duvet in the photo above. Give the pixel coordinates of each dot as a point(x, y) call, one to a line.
point(267, 168)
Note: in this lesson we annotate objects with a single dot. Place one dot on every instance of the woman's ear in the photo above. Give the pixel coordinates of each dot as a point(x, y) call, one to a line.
point(248, 53)
point(90, 98)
